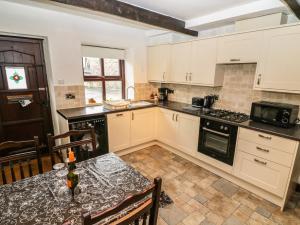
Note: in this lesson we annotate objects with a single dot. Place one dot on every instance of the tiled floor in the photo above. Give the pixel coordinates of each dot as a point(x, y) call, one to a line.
point(203, 198)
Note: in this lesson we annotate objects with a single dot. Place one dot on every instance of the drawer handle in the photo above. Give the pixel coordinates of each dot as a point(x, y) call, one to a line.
point(262, 149)
point(235, 60)
point(119, 114)
point(265, 137)
point(260, 162)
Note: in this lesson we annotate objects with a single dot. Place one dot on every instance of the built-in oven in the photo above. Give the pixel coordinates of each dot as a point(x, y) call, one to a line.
point(217, 139)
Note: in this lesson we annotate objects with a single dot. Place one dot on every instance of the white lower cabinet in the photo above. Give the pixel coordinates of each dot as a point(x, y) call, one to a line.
point(142, 126)
point(265, 174)
point(127, 129)
point(178, 130)
point(264, 160)
point(166, 126)
point(187, 133)
point(119, 130)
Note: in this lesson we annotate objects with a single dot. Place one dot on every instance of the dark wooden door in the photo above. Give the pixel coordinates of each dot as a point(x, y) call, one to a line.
point(23, 77)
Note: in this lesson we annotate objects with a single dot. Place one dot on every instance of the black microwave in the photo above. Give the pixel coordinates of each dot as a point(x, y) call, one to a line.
point(278, 114)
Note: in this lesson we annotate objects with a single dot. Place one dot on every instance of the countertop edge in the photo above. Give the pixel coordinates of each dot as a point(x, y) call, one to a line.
point(192, 113)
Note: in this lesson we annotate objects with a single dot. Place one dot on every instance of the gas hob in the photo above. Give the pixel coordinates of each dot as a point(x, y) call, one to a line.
point(236, 117)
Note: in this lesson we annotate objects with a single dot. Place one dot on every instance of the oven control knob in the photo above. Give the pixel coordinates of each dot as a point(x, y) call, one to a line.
point(207, 123)
point(284, 121)
point(286, 113)
point(221, 127)
point(226, 128)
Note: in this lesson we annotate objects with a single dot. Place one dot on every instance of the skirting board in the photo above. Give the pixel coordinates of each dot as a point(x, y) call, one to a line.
point(253, 189)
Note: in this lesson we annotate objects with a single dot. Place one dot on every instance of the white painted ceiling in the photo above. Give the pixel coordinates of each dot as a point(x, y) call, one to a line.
point(187, 9)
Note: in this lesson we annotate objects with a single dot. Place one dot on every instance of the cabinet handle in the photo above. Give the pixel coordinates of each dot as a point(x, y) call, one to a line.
point(262, 149)
point(258, 79)
point(186, 76)
point(176, 117)
point(173, 116)
point(164, 76)
point(265, 137)
point(190, 76)
point(235, 60)
point(119, 114)
point(261, 162)
point(132, 116)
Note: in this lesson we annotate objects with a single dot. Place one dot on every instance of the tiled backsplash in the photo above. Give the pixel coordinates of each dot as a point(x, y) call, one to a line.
point(237, 92)
point(60, 96)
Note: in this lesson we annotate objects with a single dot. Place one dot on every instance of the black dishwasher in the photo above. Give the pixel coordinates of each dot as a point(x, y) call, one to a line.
point(100, 125)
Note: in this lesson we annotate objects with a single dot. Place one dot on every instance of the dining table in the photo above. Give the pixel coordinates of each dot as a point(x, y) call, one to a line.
point(44, 199)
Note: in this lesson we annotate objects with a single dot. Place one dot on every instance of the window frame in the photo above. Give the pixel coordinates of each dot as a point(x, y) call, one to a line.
point(104, 78)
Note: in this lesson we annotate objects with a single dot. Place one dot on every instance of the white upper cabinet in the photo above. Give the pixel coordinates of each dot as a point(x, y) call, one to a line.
point(195, 63)
point(279, 67)
point(203, 63)
point(158, 63)
point(180, 62)
point(240, 48)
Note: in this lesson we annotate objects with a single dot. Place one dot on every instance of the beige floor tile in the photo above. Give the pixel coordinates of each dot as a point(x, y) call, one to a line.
point(196, 201)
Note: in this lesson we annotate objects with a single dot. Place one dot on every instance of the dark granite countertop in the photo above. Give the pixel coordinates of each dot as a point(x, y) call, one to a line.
point(94, 111)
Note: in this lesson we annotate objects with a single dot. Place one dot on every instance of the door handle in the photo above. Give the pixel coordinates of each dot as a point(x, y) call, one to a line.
point(265, 137)
point(262, 149)
point(258, 79)
point(260, 162)
point(215, 132)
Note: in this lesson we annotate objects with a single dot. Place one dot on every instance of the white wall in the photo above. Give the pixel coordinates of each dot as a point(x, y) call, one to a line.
point(66, 32)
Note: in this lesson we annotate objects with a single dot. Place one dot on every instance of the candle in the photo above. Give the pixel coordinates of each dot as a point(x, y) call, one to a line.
point(71, 156)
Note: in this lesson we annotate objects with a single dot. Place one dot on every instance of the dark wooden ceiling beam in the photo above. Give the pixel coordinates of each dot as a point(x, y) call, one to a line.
point(294, 6)
point(131, 12)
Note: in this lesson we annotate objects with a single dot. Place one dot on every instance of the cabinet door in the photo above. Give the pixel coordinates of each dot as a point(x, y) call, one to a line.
point(203, 63)
point(158, 62)
point(187, 133)
point(279, 67)
point(180, 62)
point(240, 48)
point(265, 174)
point(142, 126)
point(166, 127)
point(119, 131)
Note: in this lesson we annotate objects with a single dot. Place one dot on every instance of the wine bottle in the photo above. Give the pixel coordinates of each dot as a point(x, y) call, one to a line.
point(72, 178)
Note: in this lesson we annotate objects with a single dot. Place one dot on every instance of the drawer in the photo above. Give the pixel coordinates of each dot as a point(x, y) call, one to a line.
point(262, 173)
point(265, 152)
point(119, 114)
point(269, 140)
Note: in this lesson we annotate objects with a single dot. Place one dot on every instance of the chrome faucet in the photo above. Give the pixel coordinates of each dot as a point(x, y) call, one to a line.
point(127, 90)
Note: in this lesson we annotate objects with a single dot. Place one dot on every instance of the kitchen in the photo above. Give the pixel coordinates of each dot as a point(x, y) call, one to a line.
point(215, 116)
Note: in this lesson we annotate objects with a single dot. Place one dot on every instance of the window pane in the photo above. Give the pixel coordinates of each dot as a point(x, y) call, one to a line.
point(16, 78)
point(91, 66)
point(93, 92)
point(113, 90)
point(111, 67)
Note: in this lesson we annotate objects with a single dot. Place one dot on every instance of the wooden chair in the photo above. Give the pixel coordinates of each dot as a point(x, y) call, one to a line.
point(22, 152)
point(146, 209)
point(78, 146)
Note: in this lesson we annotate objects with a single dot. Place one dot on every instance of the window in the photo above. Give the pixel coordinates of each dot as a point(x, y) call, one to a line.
point(104, 79)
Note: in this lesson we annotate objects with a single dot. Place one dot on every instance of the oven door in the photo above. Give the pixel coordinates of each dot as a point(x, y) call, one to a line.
point(218, 145)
